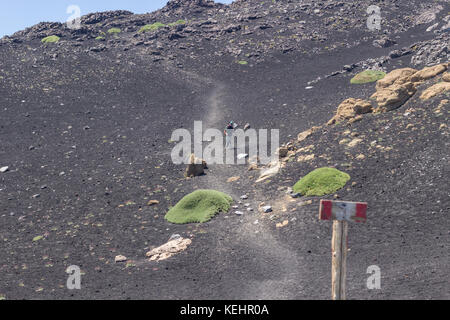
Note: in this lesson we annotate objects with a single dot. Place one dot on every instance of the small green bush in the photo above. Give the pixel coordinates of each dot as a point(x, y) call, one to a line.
point(37, 238)
point(243, 62)
point(368, 76)
point(321, 181)
point(50, 39)
point(177, 23)
point(114, 30)
point(151, 27)
point(199, 206)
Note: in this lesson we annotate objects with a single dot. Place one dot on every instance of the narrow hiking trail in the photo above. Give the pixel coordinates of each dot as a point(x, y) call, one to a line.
point(255, 232)
point(218, 174)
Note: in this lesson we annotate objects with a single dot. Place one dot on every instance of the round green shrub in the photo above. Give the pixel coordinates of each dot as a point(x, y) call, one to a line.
point(199, 206)
point(114, 30)
point(151, 27)
point(321, 181)
point(368, 76)
point(50, 39)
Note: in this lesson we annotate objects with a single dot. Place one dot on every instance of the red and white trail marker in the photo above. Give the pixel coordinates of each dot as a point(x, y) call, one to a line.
point(340, 212)
point(343, 210)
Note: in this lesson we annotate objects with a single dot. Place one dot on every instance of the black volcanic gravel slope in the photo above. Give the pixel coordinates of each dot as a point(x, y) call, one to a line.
point(403, 175)
point(85, 127)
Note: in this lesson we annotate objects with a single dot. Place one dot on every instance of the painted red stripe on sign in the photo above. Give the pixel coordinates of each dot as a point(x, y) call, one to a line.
point(361, 212)
point(326, 209)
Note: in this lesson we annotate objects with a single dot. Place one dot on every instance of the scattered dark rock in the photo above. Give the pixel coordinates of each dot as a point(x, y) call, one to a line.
point(98, 49)
point(384, 43)
point(97, 17)
point(399, 53)
point(232, 28)
point(175, 35)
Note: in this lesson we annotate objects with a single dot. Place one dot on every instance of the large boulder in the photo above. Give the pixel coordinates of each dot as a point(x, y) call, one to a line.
point(350, 108)
point(196, 167)
point(446, 77)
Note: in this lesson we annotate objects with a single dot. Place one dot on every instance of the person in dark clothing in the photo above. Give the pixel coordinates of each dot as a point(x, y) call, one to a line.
point(229, 130)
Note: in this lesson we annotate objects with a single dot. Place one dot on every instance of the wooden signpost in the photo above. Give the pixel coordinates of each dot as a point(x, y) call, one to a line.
point(340, 212)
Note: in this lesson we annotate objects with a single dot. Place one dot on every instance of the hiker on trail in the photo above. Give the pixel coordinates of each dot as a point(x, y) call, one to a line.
point(229, 130)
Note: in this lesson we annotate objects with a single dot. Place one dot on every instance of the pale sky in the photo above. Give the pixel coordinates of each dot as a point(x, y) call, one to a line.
point(17, 15)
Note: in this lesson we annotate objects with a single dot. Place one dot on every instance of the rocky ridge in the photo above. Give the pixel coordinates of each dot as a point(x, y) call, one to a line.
point(248, 31)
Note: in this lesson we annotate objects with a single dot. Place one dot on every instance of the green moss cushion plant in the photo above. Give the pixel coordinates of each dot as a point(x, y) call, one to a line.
point(367, 76)
point(177, 23)
point(199, 206)
point(151, 27)
point(50, 39)
point(321, 181)
point(114, 30)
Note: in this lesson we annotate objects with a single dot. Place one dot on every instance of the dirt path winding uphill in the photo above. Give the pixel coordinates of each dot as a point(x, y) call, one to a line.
point(215, 118)
point(253, 236)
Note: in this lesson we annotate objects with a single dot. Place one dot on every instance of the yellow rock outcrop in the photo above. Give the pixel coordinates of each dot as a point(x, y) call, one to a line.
point(434, 90)
point(398, 76)
point(428, 72)
point(350, 108)
point(399, 85)
point(446, 77)
point(394, 96)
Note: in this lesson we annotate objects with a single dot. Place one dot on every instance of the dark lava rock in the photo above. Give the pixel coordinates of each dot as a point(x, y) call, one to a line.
point(232, 28)
point(195, 6)
point(384, 43)
point(102, 16)
point(399, 53)
point(98, 49)
point(175, 35)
